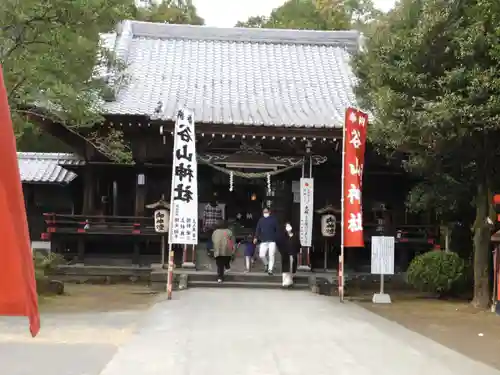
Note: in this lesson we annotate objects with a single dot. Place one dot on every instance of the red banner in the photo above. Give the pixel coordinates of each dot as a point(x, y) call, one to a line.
point(356, 123)
point(18, 295)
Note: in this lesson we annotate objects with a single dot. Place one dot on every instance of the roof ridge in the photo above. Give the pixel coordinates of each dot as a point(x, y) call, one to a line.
point(341, 38)
point(47, 155)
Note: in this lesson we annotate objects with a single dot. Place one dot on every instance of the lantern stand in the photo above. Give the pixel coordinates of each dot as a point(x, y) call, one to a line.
point(495, 305)
point(495, 239)
point(161, 204)
point(328, 228)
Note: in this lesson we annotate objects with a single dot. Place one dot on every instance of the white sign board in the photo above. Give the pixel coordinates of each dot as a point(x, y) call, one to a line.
point(184, 192)
point(306, 211)
point(382, 255)
point(161, 218)
point(328, 225)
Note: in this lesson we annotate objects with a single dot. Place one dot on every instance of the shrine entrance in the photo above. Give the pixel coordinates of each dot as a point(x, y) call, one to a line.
point(247, 192)
point(244, 203)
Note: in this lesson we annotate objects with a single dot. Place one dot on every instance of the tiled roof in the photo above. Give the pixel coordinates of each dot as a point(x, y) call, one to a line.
point(236, 75)
point(44, 168)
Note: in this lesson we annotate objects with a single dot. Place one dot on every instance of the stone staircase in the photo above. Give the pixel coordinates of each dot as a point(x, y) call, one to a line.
point(205, 275)
point(257, 280)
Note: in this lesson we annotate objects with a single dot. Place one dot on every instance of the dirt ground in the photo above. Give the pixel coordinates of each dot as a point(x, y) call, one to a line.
point(455, 324)
point(80, 298)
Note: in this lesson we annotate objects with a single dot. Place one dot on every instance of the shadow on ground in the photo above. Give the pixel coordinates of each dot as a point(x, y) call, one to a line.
point(80, 332)
point(453, 323)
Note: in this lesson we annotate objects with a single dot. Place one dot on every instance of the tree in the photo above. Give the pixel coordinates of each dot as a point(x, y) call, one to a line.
point(171, 11)
point(429, 75)
point(316, 15)
point(359, 14)
point(48, 50)
point(254, 21)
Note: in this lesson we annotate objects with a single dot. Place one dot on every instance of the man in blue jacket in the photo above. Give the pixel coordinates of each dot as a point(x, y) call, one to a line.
point(267, 234)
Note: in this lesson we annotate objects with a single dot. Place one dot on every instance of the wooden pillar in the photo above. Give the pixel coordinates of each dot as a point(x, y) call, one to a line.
point(140, 177)
point(114, 200)
point(136, 256)
point(140, 202)
point(88, 206)
point(140, 193)
point(189, 256)
point(88, 190)
point(81, 250)
point(140, 155)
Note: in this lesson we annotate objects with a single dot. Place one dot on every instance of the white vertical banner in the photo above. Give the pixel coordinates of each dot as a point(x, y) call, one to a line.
point(184, 192)
point(306, 211)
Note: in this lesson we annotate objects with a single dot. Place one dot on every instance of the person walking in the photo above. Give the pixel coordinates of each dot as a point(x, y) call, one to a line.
point(223, 240)
point(289, 247)
point(248, 252)
point(267, 233)
point(212, 214)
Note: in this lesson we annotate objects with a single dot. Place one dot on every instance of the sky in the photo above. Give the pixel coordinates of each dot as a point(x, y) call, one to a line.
point(225, 13)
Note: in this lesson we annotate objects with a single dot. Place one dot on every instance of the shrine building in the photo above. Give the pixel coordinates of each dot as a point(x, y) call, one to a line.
point(269, 106)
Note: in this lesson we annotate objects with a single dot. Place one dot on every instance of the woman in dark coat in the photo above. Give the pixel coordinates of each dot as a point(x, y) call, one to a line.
point(289, 247)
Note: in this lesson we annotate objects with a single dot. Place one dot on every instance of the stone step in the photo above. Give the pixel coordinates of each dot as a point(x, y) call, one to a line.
point(242, 284)
point(246, 277)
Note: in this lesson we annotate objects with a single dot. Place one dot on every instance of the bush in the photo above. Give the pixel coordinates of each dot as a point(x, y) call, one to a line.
point(436, 272)
point(44, 266)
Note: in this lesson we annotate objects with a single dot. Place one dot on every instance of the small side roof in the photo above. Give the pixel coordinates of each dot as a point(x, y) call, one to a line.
point(47, 168)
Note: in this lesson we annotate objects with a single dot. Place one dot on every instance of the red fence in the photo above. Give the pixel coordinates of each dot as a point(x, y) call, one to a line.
point(416, 234)
point(87, 224)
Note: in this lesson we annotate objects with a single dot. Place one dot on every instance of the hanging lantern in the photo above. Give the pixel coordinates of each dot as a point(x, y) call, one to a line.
point(253, 197)
point(268, 184)
point(328, 225)
point(231, 181)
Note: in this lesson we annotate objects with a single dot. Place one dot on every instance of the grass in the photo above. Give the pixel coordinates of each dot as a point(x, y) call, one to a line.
point(97, 298)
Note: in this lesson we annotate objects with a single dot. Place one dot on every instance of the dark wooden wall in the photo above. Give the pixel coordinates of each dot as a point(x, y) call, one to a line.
point(40, 199)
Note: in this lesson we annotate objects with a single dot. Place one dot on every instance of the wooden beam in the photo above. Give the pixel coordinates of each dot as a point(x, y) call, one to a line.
point(65, 134)
point(134, 124)
point(270, 131)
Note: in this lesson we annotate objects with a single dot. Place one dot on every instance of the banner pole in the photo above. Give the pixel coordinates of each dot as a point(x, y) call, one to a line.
point(341, 257)
point(163, 251)
point(170, 273)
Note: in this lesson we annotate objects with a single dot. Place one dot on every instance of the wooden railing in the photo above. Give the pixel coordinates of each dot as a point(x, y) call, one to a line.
point(138, 225)
point(88, 224)
point(424, 234)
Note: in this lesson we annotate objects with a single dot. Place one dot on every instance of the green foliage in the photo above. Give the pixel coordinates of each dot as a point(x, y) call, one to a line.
point(171, 11)
point(45, 264)
point(436, 271)
point(254, 21)
point(49, 49)
point(430, 76)
point(112, 144)
point(317, 15)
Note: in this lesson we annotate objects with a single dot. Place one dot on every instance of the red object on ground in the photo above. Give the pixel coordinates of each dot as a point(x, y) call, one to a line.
point(496, 199)
point(18, 295)
point(356, 123)
point(496, 270)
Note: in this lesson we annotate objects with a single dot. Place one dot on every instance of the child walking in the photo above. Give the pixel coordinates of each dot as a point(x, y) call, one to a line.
point(249, 252)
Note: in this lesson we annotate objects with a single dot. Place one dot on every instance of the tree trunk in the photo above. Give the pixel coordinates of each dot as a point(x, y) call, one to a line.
point(481, 250)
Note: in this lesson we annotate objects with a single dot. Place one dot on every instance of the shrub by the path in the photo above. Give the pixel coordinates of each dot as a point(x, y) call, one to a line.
point(436, 272)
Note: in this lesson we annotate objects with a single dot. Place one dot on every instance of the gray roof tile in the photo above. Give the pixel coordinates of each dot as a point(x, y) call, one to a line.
point(237, 75)
point(40, 167)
